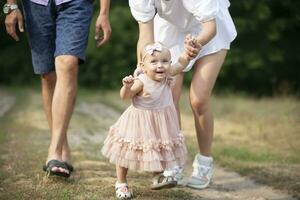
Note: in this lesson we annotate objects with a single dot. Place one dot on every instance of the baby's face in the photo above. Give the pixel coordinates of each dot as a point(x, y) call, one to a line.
point(157, 65)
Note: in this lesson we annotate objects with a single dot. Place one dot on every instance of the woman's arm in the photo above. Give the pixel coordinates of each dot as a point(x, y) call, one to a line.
point(194, 45)
point(205, 11)
point(209, 31)
point(146, 35)
point(191, 49)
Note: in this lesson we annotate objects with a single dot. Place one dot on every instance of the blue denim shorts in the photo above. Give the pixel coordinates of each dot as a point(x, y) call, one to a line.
point(55, 30)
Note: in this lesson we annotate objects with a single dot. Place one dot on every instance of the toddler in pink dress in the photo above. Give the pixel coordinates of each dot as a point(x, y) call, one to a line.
point(147, 136)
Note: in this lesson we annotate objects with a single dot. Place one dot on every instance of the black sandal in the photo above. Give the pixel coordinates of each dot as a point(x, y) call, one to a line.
point(56, 163)
point(69, 167)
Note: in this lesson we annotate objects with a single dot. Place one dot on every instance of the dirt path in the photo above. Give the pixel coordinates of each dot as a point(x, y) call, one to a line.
point(21, 176)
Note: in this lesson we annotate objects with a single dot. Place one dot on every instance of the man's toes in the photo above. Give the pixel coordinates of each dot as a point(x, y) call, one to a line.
point(54, 169)
point(62, 170)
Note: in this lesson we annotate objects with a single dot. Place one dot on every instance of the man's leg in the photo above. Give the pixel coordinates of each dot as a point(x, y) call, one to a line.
point(62, 105)
point(48, 85)
point(72, 29)
point(43, 31)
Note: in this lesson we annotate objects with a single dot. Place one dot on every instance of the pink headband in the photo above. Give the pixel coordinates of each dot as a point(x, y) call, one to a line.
point(149, 49)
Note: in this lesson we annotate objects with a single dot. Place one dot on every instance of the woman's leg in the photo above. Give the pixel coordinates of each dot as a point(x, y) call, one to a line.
point(205, 73)
point(176, 93)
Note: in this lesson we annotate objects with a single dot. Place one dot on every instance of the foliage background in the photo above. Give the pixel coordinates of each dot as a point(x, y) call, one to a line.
point(263, 60)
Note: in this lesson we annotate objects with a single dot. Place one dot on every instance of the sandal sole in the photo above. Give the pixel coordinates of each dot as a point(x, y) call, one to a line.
point(159, 186)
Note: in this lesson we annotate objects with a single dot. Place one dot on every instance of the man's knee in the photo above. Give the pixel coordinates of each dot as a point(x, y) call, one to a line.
point(66, 64)
point(49, 78)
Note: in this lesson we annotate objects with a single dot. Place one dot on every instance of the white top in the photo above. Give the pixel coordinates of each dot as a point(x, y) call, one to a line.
point(177, 18)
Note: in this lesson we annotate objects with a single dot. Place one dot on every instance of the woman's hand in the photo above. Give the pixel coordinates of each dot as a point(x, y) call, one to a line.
point(192, 47)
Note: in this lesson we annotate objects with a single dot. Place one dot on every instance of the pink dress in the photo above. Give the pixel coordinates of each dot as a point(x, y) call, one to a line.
point(147, 137)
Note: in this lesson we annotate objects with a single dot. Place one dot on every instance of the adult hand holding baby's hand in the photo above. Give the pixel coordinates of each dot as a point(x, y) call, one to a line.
point(128, 81)
point(192, 47)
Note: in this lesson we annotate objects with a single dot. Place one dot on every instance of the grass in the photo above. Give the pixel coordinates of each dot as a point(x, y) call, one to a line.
point(258, 138)
point(245, 155)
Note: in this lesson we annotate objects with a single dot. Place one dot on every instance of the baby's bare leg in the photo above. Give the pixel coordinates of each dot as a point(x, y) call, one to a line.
point(121, 174)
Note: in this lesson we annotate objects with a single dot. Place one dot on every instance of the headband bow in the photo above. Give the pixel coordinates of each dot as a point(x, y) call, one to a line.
point(149, 49)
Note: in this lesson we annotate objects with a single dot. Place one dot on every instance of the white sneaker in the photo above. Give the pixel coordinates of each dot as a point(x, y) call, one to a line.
point(176, 172)
point(202, 173)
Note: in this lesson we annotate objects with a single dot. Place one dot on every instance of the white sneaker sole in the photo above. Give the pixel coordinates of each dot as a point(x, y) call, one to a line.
point(197, 186)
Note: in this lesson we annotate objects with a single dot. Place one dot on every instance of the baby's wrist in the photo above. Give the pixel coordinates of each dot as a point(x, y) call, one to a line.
point(184, 60)
point(126, 86)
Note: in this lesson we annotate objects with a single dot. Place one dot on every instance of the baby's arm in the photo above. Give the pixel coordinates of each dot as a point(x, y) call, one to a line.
point(185, 57)
point(177, 68)
point(131, 87)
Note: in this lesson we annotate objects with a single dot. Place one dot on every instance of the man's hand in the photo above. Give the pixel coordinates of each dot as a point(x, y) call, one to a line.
point(102, 25)
point(10, 23)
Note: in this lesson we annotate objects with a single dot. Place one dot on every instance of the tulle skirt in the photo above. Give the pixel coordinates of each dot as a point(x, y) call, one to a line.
point(146, 140)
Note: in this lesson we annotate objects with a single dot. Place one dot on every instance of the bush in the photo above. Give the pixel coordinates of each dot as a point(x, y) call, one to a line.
point(263, 59)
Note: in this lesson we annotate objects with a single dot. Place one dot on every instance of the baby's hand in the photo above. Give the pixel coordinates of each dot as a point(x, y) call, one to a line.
point(191, 47)
point(128, 81)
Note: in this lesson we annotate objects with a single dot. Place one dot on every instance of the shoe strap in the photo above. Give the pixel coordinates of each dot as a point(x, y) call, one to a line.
point(120, 185)
point(122, 190)
point(200, 170)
